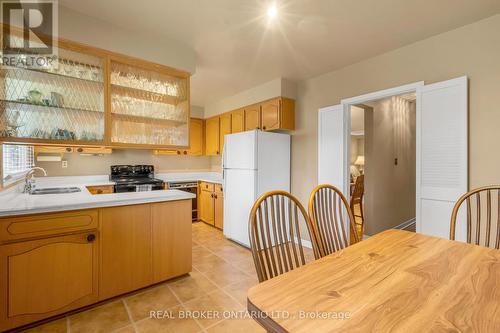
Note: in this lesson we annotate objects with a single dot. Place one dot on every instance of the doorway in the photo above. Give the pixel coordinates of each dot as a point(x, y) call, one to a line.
point(382, 164)
point(441, 148)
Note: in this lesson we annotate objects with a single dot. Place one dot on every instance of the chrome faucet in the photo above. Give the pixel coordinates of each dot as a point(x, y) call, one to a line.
point(29, 181)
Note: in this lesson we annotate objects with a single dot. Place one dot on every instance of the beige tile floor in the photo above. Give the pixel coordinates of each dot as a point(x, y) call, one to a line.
point(222, 273)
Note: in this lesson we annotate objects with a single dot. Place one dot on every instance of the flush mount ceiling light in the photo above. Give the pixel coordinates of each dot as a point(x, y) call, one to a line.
point(272, 11)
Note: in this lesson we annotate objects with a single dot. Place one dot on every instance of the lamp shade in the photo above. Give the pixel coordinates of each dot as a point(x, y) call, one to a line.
point(360, 160)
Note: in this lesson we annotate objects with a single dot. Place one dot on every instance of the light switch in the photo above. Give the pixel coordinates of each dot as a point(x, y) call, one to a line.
point(64, 164)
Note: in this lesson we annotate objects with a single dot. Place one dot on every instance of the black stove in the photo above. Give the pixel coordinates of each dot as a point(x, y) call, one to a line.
point(135, 178)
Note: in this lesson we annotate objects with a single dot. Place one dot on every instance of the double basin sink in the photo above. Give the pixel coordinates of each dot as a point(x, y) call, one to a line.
point(55, 190)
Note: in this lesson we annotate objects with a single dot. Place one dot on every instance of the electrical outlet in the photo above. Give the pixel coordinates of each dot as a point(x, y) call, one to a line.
point(64, 164)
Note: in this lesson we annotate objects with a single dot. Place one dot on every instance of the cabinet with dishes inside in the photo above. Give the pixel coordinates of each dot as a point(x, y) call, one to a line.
point(86, 96)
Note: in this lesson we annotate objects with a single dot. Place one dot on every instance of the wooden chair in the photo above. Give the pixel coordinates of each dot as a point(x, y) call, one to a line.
point(482, 229)
point(275, 235)
point(357, 199)
point(328, 211)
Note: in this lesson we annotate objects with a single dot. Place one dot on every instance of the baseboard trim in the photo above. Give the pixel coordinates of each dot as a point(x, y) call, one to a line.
point(405, 224)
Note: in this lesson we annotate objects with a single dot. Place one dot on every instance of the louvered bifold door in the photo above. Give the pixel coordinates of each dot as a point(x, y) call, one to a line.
point(441, 154)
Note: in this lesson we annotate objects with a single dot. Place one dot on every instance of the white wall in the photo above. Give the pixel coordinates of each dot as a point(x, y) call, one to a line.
point(277, 87)
point(88, 30)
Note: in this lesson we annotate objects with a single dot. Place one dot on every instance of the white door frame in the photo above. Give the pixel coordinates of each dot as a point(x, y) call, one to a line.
point(370, 97)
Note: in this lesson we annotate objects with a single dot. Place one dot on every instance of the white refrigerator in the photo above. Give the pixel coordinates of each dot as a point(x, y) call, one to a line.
point(254, 162)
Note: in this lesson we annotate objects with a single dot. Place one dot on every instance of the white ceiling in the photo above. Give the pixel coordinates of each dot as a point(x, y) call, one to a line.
point(238, 49)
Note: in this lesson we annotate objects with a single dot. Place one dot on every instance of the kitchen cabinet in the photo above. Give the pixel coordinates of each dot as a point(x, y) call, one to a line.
point(45, 277)
point(17, 228)
point(252, 117)
point(93, 97)
point(51, 263)
point(207, 206)
point(148, 107)
point(196, 135)
point(238, 121)
point(106, 189)
point(212, 136)
point(218, 207)
point(172, 245)
point(126, 250)
point(196, 140)
point(212, 204)
point(224, 128)
point(275, 114)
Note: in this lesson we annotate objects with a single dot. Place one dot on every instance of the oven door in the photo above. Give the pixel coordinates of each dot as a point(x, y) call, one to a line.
point(138, 188)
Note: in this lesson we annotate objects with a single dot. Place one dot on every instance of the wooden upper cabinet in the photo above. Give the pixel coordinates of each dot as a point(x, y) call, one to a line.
point(238, 121)
point(46, 277)
point(212, 136)
point(195, 137)
point(94, 97)
point(278, 113)
point(252, 117)
point(225, 128)
point(270, 113)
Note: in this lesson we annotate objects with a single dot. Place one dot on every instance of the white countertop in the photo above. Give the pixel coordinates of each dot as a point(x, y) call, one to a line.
point(13, 202)
point(211, 177)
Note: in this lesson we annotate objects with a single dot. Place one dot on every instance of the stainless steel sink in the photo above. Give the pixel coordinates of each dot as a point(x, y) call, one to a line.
point(56, 190)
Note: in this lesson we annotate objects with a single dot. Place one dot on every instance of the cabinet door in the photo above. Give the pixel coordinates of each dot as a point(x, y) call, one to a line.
point(212, 136)
point(195, 137)
point(219, 208)
point(238, 121)
point(225, 128)
point(270, 113)
point(252, 117)
point(207, 207)
point(125, 249)
point(42, 278)
point(171, 239)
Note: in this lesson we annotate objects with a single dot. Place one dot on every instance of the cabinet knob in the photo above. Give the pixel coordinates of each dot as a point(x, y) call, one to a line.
point(215, 196)
point(217, 152)
point(99, 191)
point(185, 152)
point(178, 152)
point(79, 150)
point(68, 149)
point(90, 238)
point(264, 128)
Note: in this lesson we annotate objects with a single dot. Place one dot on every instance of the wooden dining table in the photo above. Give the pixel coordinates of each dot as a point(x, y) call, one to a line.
point(395, 281)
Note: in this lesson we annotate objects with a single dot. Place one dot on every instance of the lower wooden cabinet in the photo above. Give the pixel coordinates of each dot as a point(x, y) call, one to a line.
point(207, 206)
point(106, 189)
point(172, 244)
point(121, 249)
point(212, 204)
point(42, 278)
point(219, 207)
point(126, 249)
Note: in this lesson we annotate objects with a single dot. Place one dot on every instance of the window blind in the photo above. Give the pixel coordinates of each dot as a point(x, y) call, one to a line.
point(17, 160)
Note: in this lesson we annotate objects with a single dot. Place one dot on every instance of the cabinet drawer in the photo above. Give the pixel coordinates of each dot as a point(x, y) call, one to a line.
point(107, 189)
point(16, 228)
point(207, 186)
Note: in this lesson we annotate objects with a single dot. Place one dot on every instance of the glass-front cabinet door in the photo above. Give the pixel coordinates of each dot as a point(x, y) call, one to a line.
point(148, 107)
point(60, 102)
